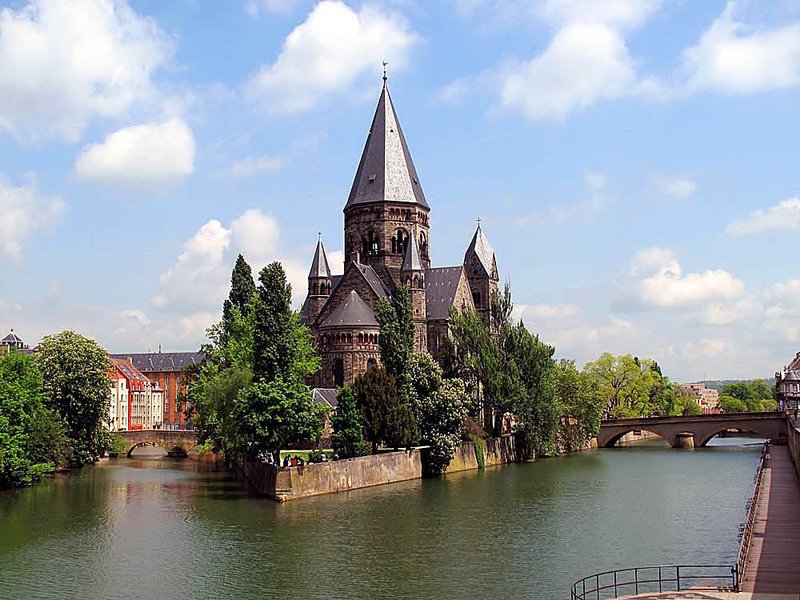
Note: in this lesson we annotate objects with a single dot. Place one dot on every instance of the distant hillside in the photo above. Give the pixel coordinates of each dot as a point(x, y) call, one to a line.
point(718, 384)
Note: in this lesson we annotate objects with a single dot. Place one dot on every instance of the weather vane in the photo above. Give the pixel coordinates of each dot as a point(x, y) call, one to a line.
point(385, 64)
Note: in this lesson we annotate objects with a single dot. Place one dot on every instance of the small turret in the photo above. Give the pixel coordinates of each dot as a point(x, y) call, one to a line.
point(319, 282)
point(412, 276)
point(481, 266)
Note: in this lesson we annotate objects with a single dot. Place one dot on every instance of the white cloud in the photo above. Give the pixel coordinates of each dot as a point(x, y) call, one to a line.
point(653, 260)
point(327, 52)
point(723, 314)
point(253, 165)
point(619, 13)
point(735, 57)
point(585, 63)
point(536, 313)
point(255, 7)
point(141, 156)
point(24, 210)
point(256, 235)
point(706, 348)
point(668, 287)
point(677, 186)
point(63, 62)
point(580, 210)
point(453, 91)
point(784, 216)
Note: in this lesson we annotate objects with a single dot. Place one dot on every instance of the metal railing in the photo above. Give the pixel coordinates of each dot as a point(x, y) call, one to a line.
point(658, 578)
point(746, 528)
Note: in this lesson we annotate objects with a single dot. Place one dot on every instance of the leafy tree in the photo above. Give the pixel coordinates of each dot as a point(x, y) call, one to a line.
point(75, 374)
point(386, 419)
point(238, 308)
point(582, 403)
point(31, 435)
point(270, 415)
point(274, 342)
point(684, 405)
point(731, 404)
point(626, 383)
point(440, 408)
point(396, 339)
point(348, 426)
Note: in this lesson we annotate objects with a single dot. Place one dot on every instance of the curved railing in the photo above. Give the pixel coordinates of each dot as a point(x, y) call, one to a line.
point(658, 578)
point(746, 529)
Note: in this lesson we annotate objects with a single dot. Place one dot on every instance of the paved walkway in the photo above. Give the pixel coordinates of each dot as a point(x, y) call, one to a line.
point(773, 562)
point(714, 596)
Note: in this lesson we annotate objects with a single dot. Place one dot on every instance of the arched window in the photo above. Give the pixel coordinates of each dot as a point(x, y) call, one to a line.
point(476, 299)
point(399, 241)
point(371, 363)
point(338, 372)
point(423, 244)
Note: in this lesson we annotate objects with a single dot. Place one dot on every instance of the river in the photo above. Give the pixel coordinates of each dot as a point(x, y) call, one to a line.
point(163, 528)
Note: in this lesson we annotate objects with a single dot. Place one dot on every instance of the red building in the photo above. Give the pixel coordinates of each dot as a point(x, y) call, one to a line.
point(167, 370)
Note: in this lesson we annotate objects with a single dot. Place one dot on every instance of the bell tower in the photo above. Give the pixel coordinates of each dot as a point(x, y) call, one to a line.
point(412, 276)
point(386, 205)
point(480, 265)
point(319, 282)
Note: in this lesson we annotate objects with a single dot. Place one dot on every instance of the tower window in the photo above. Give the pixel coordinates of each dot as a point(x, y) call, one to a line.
point(338, 372)
point(399, 241)
point(476, 299)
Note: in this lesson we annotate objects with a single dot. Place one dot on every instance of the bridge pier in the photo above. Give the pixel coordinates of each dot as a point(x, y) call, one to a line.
point(684, 440)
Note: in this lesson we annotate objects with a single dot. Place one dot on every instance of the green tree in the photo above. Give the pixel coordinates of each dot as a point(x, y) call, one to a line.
point(626, 382)
point(386, 419)
point(270, 415)
point(348, 426)
point(684, 405)
point(237, 310)
point(582, 404)
point(75, 374)
point(731, 404)
point(440, 408)
point(274, 342)
point(31, 435)
point(396, 339)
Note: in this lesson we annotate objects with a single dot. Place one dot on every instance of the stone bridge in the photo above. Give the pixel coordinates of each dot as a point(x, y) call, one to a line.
point(688, 432)
point(175, 442)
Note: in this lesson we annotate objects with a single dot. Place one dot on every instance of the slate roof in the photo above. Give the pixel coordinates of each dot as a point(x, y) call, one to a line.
point(386, 171)
point(441, 285)
point(481, 247)
point(326, 396)
point(353, 312)
point(375, 282)
point(159, 362)
point(791, 376)
point(319, 266)
point(12, 339)
point(411, 260)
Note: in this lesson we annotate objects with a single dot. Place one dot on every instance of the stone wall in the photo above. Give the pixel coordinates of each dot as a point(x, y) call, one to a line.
point(793, 435)
point(496, 451)
point(284, 484)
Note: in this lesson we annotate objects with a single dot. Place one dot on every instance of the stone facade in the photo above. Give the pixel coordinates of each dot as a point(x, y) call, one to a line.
point(387, 244)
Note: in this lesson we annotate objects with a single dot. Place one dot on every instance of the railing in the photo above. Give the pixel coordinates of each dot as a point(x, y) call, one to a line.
point(746, 528)
point(652, 579)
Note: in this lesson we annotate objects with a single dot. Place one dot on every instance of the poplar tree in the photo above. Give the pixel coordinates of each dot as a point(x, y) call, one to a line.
point(396, 339)
point(273, 340)
point(348, 426)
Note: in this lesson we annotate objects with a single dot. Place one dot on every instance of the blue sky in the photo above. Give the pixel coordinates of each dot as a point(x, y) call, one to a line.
point(634, 162)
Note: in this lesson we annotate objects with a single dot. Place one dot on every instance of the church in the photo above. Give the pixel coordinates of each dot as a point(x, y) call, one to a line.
point(388, 244)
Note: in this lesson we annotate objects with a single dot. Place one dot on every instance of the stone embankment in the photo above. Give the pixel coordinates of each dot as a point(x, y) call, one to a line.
point(291, 483)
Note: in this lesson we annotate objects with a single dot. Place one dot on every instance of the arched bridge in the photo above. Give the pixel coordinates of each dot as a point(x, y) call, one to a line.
point(174, 442)
point(694, 431)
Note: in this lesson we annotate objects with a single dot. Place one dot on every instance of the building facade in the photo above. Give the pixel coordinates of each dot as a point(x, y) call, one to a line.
point(145, 398)
point(13, 342)
point(707, 398)
point(118, 401)
point(787, 385)
point(387, 244)
point(166, 370)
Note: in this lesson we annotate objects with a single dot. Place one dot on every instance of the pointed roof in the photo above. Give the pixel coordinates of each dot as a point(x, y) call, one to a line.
point(386, 171)
point(412, 261)
point(480, 247)
point(353, 312)
point(11, 338)
point(319, 266)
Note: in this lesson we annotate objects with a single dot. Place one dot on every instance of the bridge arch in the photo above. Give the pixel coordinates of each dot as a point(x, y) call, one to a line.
point(612, 441)
point(702, 440)
point(171, 441)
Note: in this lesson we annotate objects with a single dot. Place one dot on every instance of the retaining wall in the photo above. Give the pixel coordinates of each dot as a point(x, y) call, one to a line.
point(336, 476)
point(496, 451)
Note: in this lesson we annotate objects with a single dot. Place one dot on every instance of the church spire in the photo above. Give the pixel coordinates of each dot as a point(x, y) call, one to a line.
point(386, 172)
point(480, 249)
point(411, 260)
point(319, 265)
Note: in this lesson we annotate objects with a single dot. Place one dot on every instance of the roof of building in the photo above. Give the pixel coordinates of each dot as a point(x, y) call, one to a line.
point(325, 396)
point(11, 339)
point(791, 376)
point(386, 171)
point(319, 265)
point(375, 282)
point(481, 247)
point(411, 260)
point(353, 312)
point(129, 370)
point(161, 362)
point(441, 285)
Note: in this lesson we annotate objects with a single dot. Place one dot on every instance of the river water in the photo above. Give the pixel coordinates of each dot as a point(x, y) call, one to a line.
point(163, 528)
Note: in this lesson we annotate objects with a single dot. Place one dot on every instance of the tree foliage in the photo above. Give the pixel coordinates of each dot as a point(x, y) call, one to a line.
point(582, 403)
point(273, 336)
point(75, 371)
point(386, 419)
point(31, 435)
point(756, 396)
point(348, 426)
point(396, 339)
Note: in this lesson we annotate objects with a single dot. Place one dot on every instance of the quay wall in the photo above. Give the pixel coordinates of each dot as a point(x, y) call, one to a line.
point(793, 440)
point(496, 451)
point(291, 483)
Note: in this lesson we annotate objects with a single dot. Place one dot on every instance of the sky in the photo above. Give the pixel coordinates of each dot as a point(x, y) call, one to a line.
point(634, 163)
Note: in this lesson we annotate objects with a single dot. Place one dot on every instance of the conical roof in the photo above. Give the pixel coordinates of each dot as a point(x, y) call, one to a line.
point(353, 312)
point(480, 247)
point(386, 172)
point(411, 260)
point(319, 266)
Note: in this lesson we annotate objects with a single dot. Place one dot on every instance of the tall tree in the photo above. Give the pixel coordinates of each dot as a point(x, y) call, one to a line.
point(348, 426)
point(274, 343)
point(75, 371)
point(396, 339)
point(582, 403)
point(386, 419)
